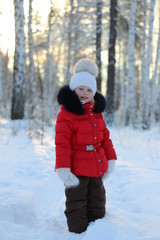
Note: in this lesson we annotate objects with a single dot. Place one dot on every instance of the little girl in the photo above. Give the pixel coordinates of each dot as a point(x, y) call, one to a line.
point(84, 150)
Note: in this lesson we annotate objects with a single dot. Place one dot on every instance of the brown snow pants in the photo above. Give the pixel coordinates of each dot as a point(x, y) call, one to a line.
point(84, 203)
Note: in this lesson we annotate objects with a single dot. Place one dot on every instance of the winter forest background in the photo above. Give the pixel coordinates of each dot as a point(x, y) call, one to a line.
point(40, 41)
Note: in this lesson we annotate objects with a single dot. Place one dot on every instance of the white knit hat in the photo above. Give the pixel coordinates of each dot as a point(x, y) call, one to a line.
point(85, 73)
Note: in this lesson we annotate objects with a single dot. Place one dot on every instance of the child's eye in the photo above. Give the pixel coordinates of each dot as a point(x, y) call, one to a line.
point(89, 90)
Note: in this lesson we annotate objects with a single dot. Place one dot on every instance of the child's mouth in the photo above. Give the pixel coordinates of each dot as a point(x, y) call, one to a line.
point(84, 98)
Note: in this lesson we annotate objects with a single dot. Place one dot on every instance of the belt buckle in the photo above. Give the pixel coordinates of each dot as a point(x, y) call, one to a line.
point(89, 147)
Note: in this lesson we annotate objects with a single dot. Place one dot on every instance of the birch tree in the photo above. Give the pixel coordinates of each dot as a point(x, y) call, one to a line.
point(154, 93)
point(48, 69)
point(143, 67)
point(32, 83)
point(120, 117)
point(69, 41)
point(157, 103)
point(5, 85)
point(98, 40)
point(157, 99)
point(147, 89)
point(131, 105)
point(76, 32)
point(19, 88)
point(0, 83)
point(111, 62)
point(4, 88)
point(48, 57)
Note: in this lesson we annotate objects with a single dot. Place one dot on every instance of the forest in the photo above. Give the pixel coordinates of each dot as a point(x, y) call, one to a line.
point(122, 37)
point(40, 42)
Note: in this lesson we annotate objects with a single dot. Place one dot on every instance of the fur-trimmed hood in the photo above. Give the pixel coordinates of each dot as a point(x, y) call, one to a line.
point(71, 102)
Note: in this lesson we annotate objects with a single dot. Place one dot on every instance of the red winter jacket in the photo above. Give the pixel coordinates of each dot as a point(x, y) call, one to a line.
point(82, 139)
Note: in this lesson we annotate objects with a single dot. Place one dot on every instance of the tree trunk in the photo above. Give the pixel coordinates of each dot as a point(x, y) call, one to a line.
point(98, 41)
point(48, 70)
point(5, 86)
point(69, 41)
point(19, 87)
point(147, 89)
point(111, 63)
point(32, 83)
point(131, 105)
point(76, 33)
point(0, 85)
point(157, 105)
point(121, 115)
point(154, 93)
point(48, 56)
point(142, 97)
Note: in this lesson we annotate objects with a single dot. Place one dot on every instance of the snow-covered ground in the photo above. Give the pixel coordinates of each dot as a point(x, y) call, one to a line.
point(32, 196)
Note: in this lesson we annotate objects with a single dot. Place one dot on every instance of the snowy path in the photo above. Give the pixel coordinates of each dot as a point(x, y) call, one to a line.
point(32, 196)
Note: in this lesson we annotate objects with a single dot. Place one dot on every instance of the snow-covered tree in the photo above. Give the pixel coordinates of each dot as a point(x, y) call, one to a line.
point(47, 75)
point(155, 86)
point(131, 105)
point(76, 31)
point(82, 29)
point(120, 113)
point(0, 83)
point(146, 81)
point(143, 67)
point(111, 61)
point(19, 89)
point(70, 22)
point(31, 74)
point(4, 85)
point(98, 41)
point(157, 103)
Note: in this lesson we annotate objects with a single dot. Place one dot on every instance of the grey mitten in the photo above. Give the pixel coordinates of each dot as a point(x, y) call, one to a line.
point(68, 178)
point(111, 167)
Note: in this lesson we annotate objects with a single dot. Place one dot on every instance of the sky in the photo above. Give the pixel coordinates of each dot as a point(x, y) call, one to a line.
point(7, 19)
point(6, 26)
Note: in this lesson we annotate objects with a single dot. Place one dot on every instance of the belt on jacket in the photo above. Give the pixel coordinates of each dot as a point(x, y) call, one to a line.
point(86, 148)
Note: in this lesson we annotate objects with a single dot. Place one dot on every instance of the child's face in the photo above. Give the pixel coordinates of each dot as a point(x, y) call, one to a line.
point(84, 93)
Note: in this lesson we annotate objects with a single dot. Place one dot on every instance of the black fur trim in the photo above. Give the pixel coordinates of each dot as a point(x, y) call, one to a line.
point(100, 103)
point(71, 102)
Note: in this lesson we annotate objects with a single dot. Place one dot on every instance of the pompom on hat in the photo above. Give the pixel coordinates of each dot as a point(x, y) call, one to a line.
point(85, 73)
